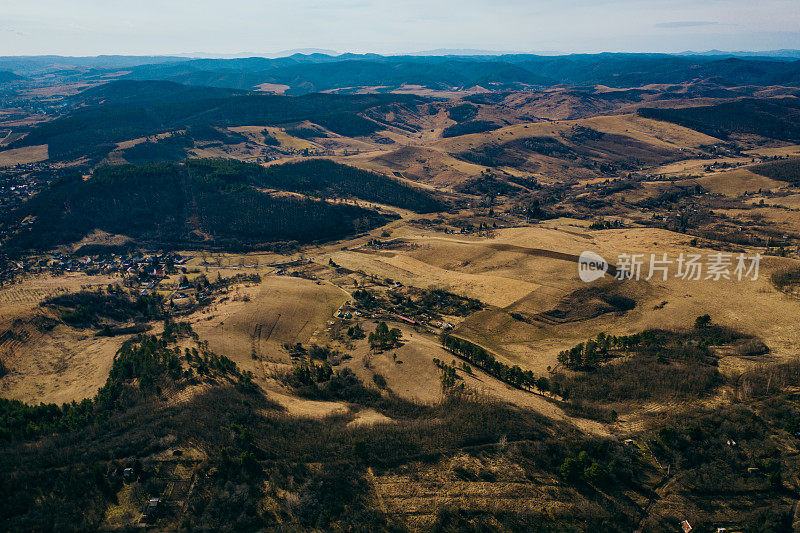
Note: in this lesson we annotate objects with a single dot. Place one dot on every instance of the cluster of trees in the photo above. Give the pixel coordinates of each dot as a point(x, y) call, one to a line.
point(580, 133)
point(462, 112)
point(478, 356)
point(533, 210)
point(355, 332)
point(529, 182)
point(207, 363)
point(662, 364)
point(583, 469)
point(309, 373)
point(447, 303)
point(270, 139)
point(87, 308)
point(221, 282)
point(436, 301)
point(322, 353)
point(22, 421)
point(321, 382)
point(786, 278)
point(783, 170)
point(172, 148)
point(414, 302)
point(643, 377)
point(487, 185)
point(305, 133)
point(365, 299)
point(548, 146)
point(151, 361)
point(689, 345)
point(472, 126)
point(384, 338)
point(491, 155)
point(176, 330)
point(208, 133)
point(449, 377)
point(605, 224)
point(326, 178)
point(589, 354)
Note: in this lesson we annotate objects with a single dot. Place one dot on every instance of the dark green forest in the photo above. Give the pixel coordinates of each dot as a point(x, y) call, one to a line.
point(324, 177)
point(201, 202)
point(472, 126)
point(778, 118)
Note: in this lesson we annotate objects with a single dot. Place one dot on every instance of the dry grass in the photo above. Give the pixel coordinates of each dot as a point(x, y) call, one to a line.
point(51, 365)
point(734, 183)
point(23, 156)
point(281, 309)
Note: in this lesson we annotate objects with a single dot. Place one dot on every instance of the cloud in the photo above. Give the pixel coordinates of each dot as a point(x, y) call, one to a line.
point(685, 24)
point(12, 30)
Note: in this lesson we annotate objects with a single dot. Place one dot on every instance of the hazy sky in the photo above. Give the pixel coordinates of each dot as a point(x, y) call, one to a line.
point(90, 27)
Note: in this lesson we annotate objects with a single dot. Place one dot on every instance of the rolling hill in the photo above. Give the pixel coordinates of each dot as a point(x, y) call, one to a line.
point(777, 118)
point(318, 72)
point(123, 110)
point(205, 203)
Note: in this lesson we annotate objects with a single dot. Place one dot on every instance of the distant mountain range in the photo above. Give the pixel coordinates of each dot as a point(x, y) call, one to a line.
point(303, 73)
point(320, 72)
point(33, 65)
point(272, 55)
point(785, 53)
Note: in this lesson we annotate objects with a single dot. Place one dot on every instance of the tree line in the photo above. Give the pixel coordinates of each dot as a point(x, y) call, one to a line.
point(481, 358)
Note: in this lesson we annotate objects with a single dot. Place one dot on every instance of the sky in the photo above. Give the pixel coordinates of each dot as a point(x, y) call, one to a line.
point(262, 27)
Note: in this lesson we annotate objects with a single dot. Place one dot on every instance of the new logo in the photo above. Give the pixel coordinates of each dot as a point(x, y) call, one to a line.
point(591, 266)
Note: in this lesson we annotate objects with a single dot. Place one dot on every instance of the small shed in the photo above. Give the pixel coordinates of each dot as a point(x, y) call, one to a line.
point(153, 507)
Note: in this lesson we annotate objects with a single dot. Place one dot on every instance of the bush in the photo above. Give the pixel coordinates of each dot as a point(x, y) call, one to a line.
point(702, 321)
point(473, 126)
point(379, 380)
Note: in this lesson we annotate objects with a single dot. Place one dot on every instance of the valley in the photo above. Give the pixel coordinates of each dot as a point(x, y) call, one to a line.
point(355, 304)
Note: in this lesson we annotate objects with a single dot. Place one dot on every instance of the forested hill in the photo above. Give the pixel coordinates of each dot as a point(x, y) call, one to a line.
point(199, 203)
point(8, 76)
point(778, 118)
point(124, 110)
point(322, 177)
